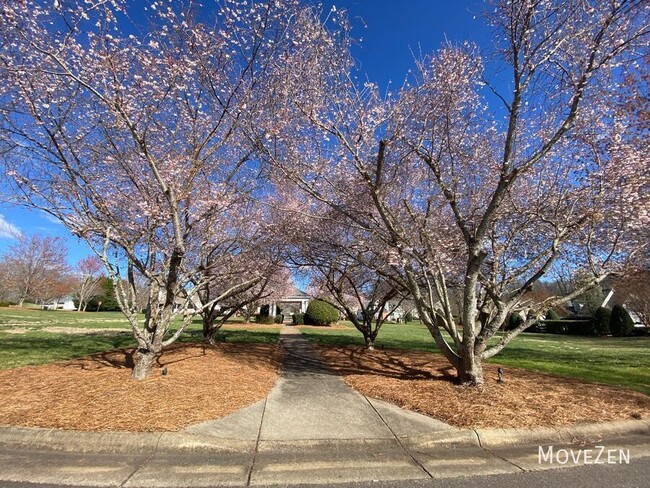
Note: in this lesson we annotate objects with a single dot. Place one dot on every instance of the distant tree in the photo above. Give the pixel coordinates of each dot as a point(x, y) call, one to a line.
point(88, 272)
point(263, 284)
point(240, 267)
point(105, 300)
point(35, 268)
point(366, 298)
point(273, 287)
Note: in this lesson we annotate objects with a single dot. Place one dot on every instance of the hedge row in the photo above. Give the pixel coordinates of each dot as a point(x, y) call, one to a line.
point(616, 321)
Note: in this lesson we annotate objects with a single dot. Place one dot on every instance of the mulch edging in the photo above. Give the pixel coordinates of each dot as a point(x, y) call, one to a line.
point(423, 382)
point(97, 393)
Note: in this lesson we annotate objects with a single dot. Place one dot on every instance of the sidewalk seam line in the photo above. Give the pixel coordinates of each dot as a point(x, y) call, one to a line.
point(257, 445)
point(143, 463)
point(408, 453)
point(496, 455)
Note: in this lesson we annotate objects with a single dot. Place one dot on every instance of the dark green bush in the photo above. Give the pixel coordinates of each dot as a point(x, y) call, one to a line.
point(298, 319)
point(408, 317)
point(320, 313)
point(279, 319)
point(514, 321)
point(582, 327)
point(576, 326)
point(552, 315)
point(557, 326)
point(601, 321)
point(620, 322)
point(4, 303)
point(264, 319)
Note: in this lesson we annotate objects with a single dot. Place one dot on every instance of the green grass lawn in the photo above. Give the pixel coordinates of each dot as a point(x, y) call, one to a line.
point(25, 340)
point(43, 347)
point(32, 319)
point(621, 361)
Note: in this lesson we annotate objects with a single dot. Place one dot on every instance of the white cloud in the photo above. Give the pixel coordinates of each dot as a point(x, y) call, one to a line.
point(7, 229)
point(50, 218)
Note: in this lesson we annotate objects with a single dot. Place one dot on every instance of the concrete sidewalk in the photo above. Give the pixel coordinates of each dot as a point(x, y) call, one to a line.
point(310, 403)
point(310, 429)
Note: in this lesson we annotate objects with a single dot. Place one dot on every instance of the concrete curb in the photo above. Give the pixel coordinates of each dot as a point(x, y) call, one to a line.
point(117, 442)
point(139, 443)
point(576, 433)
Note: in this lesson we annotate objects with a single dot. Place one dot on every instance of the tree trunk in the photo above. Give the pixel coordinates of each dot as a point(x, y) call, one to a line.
point(208, 318)
point(208, 336)
point(143, 362)
point(470, 370)
point(20, 302)
point(370, 343)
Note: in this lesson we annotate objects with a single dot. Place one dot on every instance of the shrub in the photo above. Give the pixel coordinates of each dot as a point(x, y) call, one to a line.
point(577, 326)
point(321, 313)
point(582, 326)
point(4, 303)
point(557, 326)
point(601, 321)
point(620, 322)
point(279, 319)
point(514, 321)
point(264, 319)
point(408, 317)
point(552, 315)
point(298, 319)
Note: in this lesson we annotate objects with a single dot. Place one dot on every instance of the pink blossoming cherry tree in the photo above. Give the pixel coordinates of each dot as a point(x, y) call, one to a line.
point(132, 137)
point(475, 184)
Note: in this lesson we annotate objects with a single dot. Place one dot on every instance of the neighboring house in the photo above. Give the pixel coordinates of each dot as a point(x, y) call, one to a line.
point(296, 301)
point(392, 313)
point(397, 314)
point(179, 303)
point(611, 297)
point(64, 303)
point(410, 308)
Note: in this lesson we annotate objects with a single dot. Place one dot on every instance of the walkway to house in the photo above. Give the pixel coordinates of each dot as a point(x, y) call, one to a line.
point(311, 403)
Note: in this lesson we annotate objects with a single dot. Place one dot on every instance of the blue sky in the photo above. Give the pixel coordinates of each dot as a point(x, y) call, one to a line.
point(391, 32)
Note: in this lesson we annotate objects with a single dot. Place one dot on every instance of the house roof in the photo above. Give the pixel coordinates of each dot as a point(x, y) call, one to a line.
point(295, 294)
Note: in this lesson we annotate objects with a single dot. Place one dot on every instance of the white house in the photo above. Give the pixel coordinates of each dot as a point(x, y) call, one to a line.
point(63, 303)
point(295, 302)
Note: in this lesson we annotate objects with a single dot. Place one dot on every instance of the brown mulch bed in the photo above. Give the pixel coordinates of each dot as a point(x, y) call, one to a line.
point(424, 382)
point(97, 393)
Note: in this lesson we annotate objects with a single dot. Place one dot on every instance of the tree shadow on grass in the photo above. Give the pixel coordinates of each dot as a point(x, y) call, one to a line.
point(123, 358)
point(115, 355)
